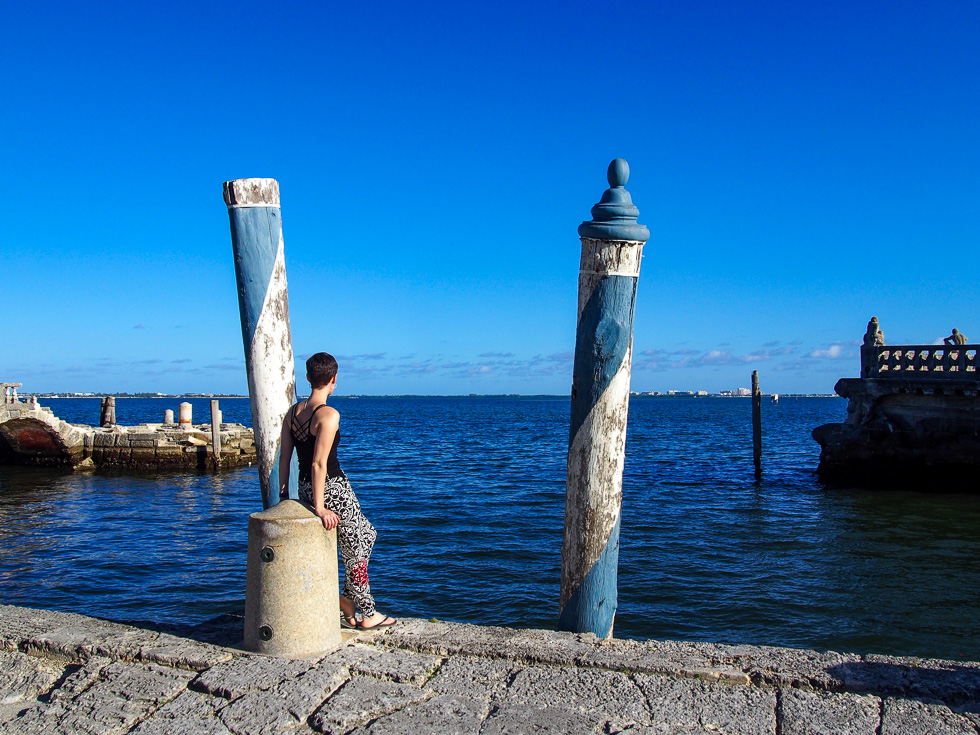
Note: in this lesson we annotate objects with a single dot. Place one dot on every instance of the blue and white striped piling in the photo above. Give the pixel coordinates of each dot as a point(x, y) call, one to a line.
point(612, 243)
point(260, 268)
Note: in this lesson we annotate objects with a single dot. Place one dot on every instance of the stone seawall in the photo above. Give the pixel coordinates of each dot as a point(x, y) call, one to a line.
point(32, 434)
point(66, 673)
point(916, 429)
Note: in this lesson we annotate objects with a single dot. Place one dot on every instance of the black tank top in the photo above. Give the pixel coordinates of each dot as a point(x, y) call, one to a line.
point(305, 442)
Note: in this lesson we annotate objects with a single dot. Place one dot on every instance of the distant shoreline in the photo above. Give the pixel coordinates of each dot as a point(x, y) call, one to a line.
point(513, 396)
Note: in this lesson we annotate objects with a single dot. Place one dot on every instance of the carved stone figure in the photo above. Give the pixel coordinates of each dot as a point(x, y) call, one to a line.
point(874, 337)
point(956, 338)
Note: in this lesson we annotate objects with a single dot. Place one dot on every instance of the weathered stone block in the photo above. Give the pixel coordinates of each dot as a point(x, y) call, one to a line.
point(826, 713)
point(724, 707)
point(239, 676)
point(912, 717)
point(444, 714)
point(361, 700)
point(405, 667)
point(471, 676)
point(607, 693)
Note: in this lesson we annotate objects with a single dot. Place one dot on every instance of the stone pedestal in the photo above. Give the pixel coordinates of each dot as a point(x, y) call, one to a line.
point(186, 414)
point(291, 590)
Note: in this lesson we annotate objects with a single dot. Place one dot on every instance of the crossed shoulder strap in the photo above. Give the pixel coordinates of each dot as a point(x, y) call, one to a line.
point(302, 432)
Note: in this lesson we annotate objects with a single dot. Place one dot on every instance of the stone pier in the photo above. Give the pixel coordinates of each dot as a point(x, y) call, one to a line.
point(66, 673)
point(912, 416)
point(32, 434)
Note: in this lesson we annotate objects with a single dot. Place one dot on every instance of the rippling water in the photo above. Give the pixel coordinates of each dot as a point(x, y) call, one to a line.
point(468, 497)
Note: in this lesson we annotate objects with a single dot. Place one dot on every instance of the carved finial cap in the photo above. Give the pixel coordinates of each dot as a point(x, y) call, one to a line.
point(252, 193)
point(614, 217)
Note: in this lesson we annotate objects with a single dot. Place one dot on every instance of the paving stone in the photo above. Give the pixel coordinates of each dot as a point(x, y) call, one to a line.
point(660, 729)
point(191, 705)
point(169, 650)
point(350, 654)
point(361, 700)
point(73, 637)
point(23, 677)
point(239, 676)
point(660, 657)
point(80, 679)
point(471, 676)
point(406, 667)
point(20, 623)
point(878, 675)
point(913, 717)
point(788, 667)
point(285, 707)
point(444, 714)
point(182, 726)
point(83, 641)
point(606, 692)
point(523, 646)
point(514, 719)
point(952, 683)
point(122, 695)
point(726, 708)
point(827, 713)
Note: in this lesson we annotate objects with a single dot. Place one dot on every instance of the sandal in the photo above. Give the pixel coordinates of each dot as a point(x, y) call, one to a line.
point(383, 624)
point(345, 622)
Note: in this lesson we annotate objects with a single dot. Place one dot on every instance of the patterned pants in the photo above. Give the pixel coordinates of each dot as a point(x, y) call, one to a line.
point(355, 536)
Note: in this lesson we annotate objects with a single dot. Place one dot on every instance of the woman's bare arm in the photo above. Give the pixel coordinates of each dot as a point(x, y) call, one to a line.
point(326, 423)
point(285, 455)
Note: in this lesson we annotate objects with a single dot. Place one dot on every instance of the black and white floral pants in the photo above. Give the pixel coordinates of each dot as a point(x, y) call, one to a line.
point(355, 537)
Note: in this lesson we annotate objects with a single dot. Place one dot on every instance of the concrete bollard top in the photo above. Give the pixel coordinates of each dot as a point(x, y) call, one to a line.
point(251, 193)
point(614, 217)
point(286, 511)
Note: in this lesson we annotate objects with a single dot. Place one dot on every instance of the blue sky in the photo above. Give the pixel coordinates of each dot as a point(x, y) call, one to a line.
point(801, 167)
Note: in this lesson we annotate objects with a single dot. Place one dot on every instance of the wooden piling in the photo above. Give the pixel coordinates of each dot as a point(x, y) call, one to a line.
point(612, 243)
point(215, 434)
point(260, 269)
point(756, 424)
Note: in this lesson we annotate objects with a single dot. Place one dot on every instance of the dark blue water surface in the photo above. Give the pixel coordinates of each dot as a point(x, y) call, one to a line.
point(468, 498)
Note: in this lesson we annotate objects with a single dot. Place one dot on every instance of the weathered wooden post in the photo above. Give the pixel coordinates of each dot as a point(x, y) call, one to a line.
point(107, 413)
point(260, 268)
point(215, 434)
point(756, 424)
point(612, 243)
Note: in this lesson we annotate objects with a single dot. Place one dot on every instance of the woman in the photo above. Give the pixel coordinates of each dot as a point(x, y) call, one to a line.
point(313, 428)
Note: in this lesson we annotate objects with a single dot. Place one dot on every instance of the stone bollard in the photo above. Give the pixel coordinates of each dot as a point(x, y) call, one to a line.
point(291, 588)
point(185, 415)
point(107, 415)
point(168, 417)
point(612, 243)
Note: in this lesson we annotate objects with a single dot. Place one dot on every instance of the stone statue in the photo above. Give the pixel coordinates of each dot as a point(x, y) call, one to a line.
point(956, 338)
point(874, 337)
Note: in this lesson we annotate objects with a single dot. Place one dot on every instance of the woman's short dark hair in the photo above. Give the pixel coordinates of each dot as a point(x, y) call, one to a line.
point(320, 369)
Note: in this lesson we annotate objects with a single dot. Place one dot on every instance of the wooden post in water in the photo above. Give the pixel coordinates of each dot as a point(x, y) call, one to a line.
point(756, 424)
point(107, 414)
point(215, 434)
point(260, 269)
point(612, 243)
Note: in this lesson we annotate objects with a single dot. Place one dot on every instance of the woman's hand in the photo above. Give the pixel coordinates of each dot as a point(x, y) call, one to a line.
point(328, 518)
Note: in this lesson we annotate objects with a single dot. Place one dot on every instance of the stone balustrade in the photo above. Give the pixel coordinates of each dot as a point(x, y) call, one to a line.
point(934, 362)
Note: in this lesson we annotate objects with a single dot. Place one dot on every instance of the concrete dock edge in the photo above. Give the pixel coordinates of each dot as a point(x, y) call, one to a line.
point(63, 672)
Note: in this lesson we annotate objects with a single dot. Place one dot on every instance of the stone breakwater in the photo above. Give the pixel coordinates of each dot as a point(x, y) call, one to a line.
point(66, 673)
point(32, 434)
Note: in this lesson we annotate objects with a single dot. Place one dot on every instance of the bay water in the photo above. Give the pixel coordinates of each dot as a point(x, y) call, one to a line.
point(467, 494)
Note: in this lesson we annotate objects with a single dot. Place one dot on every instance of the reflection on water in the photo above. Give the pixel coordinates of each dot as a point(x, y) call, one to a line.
point(468, 497)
